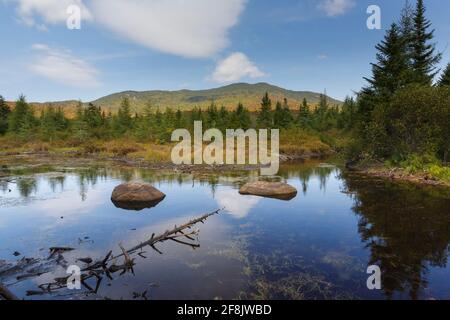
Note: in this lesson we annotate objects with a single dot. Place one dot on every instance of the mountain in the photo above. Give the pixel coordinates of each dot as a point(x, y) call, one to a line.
point(229, 96)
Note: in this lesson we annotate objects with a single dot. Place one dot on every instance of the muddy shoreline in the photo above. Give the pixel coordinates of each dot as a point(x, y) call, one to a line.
point(400, 175)
point(38, 159)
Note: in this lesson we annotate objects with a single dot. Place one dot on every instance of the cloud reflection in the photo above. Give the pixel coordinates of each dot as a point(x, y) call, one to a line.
point(237, 205)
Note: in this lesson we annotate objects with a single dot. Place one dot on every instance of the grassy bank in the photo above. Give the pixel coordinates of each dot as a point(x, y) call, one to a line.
point(294, 144)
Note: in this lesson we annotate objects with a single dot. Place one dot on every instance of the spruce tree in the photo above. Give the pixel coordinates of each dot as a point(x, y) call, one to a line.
point(4, 114)
point(124, 118)
point(445, 77)
point(278, 115)
point(287, 118)
point(391, 71)
point(265, 118)
point(303, 114)
point(22, 118)
point(424, 55)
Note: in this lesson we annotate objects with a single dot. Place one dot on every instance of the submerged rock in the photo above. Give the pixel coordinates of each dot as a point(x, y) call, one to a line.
point(277, 190)
point(136, 196)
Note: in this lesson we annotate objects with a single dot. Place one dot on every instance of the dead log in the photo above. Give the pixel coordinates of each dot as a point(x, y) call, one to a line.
point(5, 294)
point(104, 266)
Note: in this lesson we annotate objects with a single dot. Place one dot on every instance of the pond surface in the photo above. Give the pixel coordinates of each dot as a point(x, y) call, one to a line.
point(316, 246)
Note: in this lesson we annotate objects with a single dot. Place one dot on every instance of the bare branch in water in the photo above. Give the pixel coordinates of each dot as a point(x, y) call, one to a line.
point(5, 294)
point(107, 267)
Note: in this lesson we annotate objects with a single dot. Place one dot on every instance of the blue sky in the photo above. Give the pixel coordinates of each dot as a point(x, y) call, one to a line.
point(196, 44)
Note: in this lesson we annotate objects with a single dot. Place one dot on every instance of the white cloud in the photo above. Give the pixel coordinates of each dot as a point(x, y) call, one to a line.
point(336, 7)
point(322, 56)
point(235, 204)
point(236, 67)
point(61, 66)
point(39, 12)
point(189, 28)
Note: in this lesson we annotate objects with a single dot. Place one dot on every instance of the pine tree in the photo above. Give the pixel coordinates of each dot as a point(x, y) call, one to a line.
point(212, 115)
point(303, 114)
point(124, 119)
point(179, 120)
point(93, 116)
point(4, 114)
point(265, 118)
point(391, 72)
point(445, 77)
point(223, 119)
point(287, 115)
point(278, 116)
point(22, 118)
point(425, 58)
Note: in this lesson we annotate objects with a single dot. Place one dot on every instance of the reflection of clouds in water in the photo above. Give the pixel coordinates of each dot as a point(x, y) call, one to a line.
point(70, 204)
point(237, 205)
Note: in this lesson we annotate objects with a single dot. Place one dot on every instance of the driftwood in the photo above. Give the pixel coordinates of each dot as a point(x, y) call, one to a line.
point(5, 294)
point(107, 266)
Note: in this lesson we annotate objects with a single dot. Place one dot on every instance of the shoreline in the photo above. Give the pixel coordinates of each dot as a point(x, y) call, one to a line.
point(400, 175)
point(43, 159)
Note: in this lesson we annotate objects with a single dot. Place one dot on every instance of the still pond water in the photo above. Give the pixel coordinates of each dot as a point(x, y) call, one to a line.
point(316, 246)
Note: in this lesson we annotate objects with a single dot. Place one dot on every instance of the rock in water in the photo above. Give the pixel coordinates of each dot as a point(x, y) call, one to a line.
point(277, 190)
point(136, 196)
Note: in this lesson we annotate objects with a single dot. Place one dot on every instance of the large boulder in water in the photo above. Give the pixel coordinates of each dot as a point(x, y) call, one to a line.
point(136, 196)
point(277, 190)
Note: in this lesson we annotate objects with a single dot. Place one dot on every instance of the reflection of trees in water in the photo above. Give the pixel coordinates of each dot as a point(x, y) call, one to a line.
point(406, 229)
point(54, 182)
point(26, 186)
point(306, 172)
point(89, 177)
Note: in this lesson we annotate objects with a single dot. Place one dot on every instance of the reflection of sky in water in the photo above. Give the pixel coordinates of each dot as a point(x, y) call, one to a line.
point(264, 241)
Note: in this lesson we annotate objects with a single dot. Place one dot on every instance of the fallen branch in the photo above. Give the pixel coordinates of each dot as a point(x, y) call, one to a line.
point(107, 267)
point(6, 294)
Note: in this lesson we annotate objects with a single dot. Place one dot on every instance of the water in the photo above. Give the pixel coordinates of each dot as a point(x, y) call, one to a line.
point(316, 246)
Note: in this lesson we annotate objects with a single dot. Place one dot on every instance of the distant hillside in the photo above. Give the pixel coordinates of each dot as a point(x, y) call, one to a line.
point(229, 96)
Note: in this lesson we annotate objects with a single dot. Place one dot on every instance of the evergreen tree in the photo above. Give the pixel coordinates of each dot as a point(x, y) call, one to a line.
point(304, 114)
point(212, 115)
point(265, 118)
point(278, 116)
point(80, 126)
point(445, 77)
point(4, 114)
point(22, 118)
point(124, 118)
point(287, 118)
point(346, 118)
point(93, 116)
point(179, 120)
point(391, 72)
point(240, 118)
point(425, 58)
point(223, 119)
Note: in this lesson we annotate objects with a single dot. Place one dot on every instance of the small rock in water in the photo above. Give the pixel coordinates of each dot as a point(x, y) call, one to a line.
point(136, 196)
point(16, 254)
point(276, 190)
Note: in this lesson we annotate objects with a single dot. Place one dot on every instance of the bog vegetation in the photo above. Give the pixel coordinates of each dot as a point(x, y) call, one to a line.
point(401, 117)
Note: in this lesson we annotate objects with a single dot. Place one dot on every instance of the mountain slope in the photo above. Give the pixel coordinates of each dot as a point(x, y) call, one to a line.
point(229, 96)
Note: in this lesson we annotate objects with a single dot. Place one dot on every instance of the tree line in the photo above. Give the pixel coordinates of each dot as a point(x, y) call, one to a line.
point(92, 121)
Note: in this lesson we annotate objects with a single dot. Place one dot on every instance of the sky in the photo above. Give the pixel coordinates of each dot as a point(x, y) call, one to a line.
point(312, 45)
